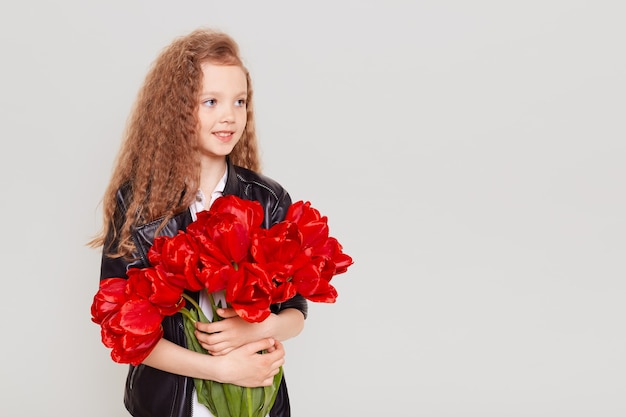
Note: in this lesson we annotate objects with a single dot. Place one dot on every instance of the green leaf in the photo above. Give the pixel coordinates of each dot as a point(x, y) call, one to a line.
point(254, 399)
point(272, 391)
point(234, 396)
point(218, 397)
point(202, 392)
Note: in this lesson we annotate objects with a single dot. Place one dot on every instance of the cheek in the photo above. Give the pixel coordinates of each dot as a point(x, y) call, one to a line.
point(205, 121)
point(244, 118)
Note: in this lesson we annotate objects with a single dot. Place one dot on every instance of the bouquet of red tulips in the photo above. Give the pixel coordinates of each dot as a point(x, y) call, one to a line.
point(225, 249)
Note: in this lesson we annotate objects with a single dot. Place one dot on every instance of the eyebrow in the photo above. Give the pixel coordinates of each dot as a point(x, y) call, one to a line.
point(213, 93)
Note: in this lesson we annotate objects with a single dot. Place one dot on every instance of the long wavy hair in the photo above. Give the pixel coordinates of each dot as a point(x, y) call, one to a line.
point(159, 159)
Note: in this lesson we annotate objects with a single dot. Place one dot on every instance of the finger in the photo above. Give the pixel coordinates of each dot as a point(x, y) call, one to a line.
point(220, 352)
point(226, 312)
point(201, 336)
point(279, 346)
point(211, 342)
point(203, 327)
point(202, 342)
point(216, 326)
point(277, 357)
point(217, 347)
point(269, 380)
point(260, 345)
point(207, 341)
point(280, 362)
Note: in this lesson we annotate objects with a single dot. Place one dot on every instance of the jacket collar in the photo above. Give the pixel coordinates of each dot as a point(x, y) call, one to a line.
point(232, 185)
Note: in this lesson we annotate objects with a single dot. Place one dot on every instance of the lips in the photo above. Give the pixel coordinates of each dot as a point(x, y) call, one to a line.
point(224, 135)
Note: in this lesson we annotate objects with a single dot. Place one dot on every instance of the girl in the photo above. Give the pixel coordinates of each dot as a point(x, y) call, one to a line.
point(191, 139)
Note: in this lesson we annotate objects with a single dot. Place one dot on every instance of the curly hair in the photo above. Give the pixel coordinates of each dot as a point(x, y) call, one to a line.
point(159, 158)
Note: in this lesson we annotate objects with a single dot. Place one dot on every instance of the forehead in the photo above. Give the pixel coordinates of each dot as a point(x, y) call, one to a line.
point(220, 77)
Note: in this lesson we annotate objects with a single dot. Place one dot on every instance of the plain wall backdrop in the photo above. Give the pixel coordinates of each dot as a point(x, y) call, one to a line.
point(470, 156)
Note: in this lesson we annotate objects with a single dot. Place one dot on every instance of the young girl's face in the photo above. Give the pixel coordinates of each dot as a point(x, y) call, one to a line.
point(222, 109)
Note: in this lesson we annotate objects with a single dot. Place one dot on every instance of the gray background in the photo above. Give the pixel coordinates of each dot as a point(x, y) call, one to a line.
point(469, 156)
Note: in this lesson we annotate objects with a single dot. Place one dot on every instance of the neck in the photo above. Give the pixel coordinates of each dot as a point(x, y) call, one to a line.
point(211, 171)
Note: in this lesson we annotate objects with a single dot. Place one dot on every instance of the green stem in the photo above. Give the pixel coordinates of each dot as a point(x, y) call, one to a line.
point(248, 394)
point(202, 317)
point(185, 312)
point(192, 301)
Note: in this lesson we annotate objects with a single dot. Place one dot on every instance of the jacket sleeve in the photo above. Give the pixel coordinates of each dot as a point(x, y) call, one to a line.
point(143, 238)
point(298, 302)
point(117, 267)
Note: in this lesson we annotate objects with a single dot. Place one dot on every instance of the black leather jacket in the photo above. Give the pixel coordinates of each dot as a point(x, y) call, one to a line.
point(151, 392)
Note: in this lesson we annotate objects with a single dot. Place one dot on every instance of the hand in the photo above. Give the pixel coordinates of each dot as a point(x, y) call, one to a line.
point(245, 367)
point(221, 337)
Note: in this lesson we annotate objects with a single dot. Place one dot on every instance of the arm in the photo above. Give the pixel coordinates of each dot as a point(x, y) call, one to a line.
point(242, 366)
point(222, 337)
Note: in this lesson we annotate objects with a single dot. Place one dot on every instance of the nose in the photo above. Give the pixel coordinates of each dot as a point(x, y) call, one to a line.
point(228, 114)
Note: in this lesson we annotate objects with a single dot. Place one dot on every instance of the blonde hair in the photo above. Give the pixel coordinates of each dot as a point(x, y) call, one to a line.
point(159, 156)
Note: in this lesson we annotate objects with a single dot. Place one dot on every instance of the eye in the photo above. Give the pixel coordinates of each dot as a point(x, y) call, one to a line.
point(241, 102)
point(210, 102)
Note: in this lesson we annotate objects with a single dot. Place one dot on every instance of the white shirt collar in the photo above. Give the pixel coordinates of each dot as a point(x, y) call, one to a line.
point(201, 201)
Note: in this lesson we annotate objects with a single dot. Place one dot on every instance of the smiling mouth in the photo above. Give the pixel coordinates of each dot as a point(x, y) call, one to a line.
point(224, 135)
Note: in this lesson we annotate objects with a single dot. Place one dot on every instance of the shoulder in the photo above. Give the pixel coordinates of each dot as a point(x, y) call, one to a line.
point(252, 185)
point(260, 182)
